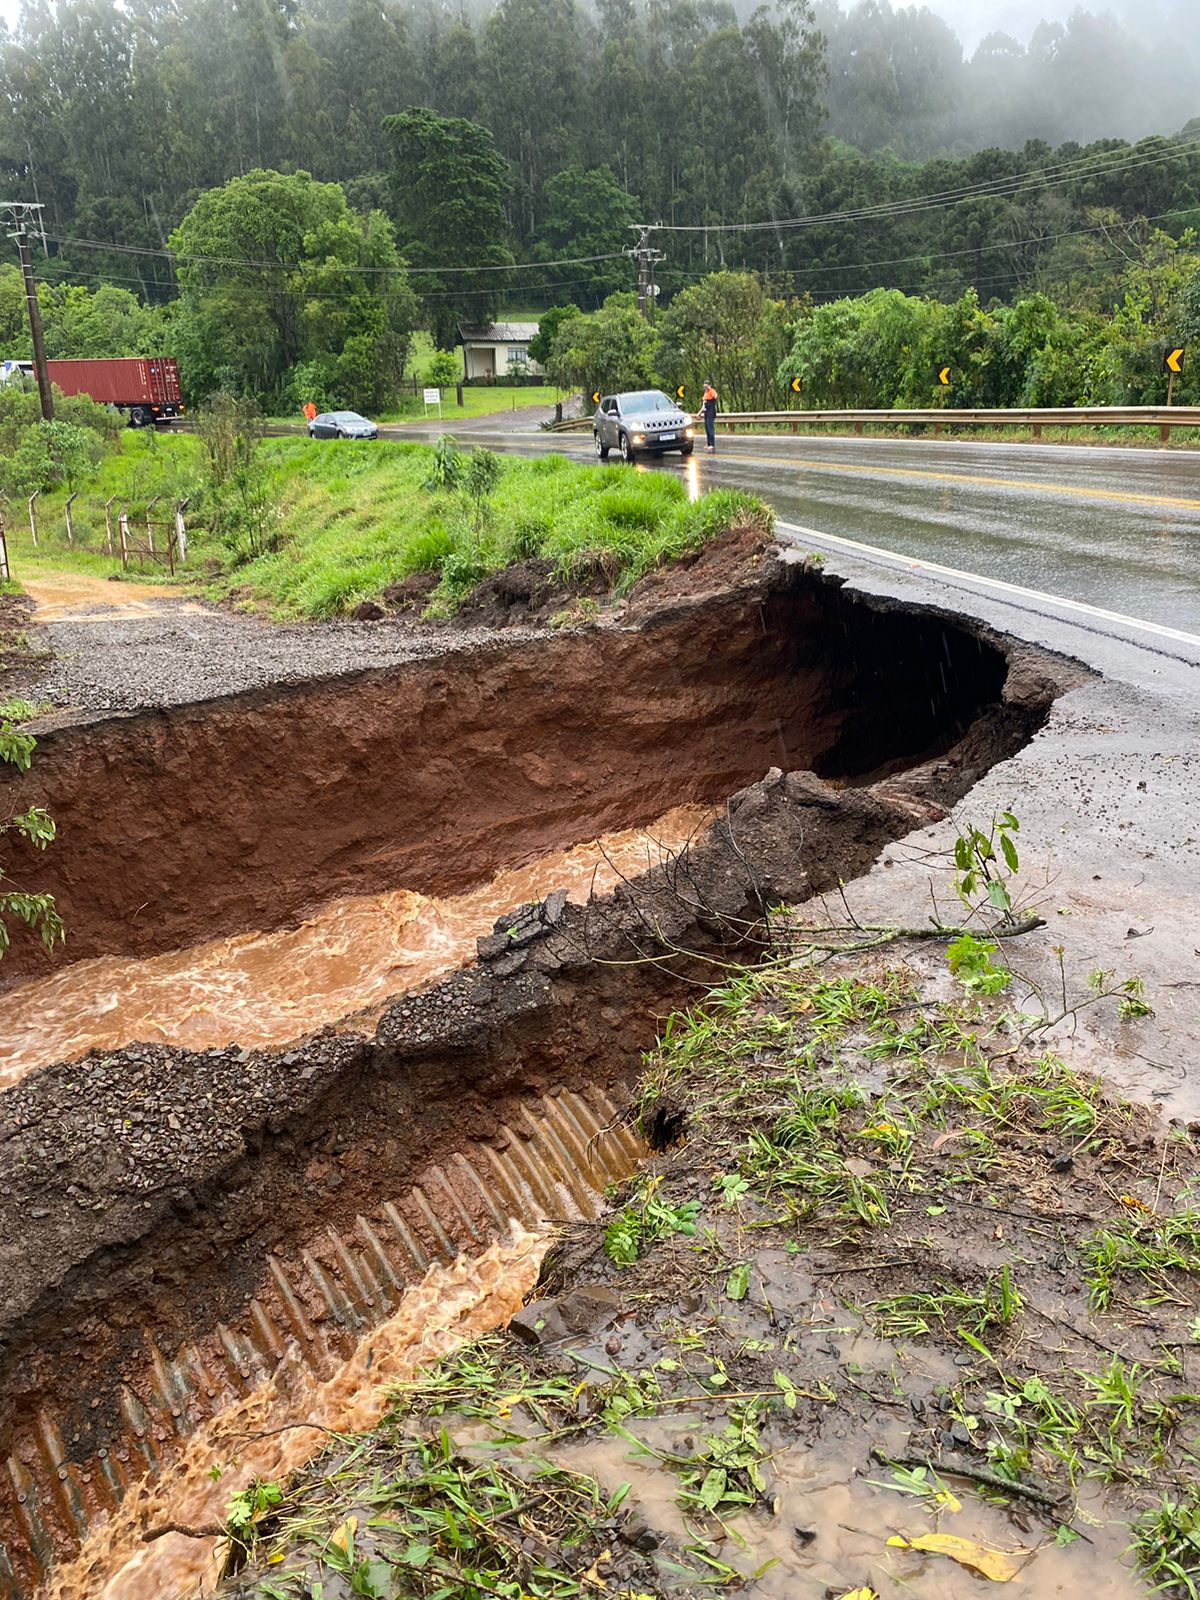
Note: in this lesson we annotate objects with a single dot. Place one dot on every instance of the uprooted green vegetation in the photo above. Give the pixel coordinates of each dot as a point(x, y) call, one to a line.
point(310, 529)
point(899, 1290)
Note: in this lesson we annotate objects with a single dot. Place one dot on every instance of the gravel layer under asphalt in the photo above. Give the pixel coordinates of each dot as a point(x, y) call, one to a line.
point(181, 653)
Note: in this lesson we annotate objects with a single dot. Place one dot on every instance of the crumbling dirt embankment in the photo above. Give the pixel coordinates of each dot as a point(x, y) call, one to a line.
point(246, 812)
point(146, 1193)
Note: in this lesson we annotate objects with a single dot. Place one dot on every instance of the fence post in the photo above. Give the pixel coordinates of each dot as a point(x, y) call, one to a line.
point(150, 525)
point(33, 516)
point(5, 574)
point(181, 530)
point(67, 517)
point(108, 542)
point(123, 528)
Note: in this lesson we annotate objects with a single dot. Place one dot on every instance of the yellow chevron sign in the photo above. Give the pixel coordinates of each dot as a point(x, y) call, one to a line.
point(595, 397)
point(679, 391)
point(944, 377)
point(795, 385)
point(1174, 359)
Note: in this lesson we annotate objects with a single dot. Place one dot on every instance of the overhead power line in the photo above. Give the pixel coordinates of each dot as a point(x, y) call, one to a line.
point(332, 266)
point(996, 188)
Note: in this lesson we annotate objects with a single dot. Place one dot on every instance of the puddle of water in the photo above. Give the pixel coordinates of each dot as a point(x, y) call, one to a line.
point(266, 989)
point(817, 1491)
point(449, 1306)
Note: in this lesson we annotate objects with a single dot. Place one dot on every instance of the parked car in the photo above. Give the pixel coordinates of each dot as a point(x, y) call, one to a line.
point(643, 422)
point(341, 425)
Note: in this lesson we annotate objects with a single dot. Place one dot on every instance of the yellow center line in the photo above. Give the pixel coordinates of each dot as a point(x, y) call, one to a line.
point(1127, 496)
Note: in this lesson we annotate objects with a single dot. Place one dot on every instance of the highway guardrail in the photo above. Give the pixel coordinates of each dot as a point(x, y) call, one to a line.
point(939, 418)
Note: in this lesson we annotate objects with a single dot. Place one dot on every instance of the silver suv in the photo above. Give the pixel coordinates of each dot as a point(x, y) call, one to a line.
point(644, 422)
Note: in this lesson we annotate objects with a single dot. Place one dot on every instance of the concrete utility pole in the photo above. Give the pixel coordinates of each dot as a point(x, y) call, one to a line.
point(17, 211)
point(645, 256)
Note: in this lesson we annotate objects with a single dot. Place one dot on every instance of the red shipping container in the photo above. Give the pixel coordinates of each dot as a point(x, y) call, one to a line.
point(145, 384)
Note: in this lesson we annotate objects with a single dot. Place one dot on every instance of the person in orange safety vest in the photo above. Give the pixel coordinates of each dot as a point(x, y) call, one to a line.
point(708, 410)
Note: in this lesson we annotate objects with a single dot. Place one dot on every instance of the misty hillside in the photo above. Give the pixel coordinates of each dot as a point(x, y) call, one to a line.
point(118, 116)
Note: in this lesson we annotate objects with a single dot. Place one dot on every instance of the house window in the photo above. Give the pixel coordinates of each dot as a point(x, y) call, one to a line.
point(518, 355)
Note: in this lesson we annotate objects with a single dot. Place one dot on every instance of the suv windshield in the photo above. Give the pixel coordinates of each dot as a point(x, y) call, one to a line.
point(649, 400)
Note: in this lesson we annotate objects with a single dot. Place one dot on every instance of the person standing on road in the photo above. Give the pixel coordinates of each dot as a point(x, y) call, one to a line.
point(708, 410)
point(310, 411)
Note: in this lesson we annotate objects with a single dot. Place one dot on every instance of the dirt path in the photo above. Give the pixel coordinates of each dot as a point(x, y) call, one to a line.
point(82, 597)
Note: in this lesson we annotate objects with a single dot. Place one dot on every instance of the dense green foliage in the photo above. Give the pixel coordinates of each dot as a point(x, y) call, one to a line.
point(448, 187)
point(885, 348)
point(37, 455)
point(317, 288)
point(35, 826)
point(119, 116)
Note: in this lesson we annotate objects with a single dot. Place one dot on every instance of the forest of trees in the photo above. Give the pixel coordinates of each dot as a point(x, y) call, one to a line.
point(286, 188)
point(118, 116)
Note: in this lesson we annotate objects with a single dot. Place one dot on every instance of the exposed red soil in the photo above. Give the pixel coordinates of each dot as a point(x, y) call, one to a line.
point(248, 811)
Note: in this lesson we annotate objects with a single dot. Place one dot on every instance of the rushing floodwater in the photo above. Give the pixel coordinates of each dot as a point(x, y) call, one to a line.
point(263, 989)
point(451, 1304)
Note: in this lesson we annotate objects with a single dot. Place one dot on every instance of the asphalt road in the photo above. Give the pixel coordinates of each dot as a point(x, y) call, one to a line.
point(1117, 529)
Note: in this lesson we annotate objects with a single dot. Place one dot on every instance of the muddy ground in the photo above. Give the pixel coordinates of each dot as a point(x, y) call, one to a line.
point(21, 658)
point(904, 1302)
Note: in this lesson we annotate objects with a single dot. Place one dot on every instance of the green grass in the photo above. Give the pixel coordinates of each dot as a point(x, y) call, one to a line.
point(1143, 1252)
point(477, 402)
point(356, 517)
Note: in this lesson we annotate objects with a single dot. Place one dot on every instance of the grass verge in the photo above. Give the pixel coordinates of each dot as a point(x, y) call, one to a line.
point(351, 519)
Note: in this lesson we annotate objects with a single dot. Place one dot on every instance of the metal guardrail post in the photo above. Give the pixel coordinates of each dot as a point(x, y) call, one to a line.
point(67, 517)
point(33, 517)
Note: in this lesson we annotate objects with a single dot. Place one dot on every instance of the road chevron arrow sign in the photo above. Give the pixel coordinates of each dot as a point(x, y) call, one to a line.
point(795, 385)
point(595, 397)
point(1174, 359)
point(679, 392)
point(944, 377)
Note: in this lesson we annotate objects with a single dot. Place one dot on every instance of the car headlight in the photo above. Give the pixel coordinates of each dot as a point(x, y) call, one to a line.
point(689, 433)
point(639, 438)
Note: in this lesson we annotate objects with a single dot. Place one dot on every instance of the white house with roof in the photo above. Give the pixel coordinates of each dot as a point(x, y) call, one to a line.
point(497, 350)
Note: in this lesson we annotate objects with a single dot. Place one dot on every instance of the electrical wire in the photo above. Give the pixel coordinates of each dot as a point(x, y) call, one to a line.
point(306, 266)
point(1049, 177)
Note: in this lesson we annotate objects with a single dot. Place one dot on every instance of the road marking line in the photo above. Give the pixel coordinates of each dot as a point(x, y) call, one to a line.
point(1127, 497)
point(914, 564)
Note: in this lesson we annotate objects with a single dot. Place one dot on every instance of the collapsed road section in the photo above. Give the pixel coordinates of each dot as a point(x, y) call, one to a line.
point(179, 1226)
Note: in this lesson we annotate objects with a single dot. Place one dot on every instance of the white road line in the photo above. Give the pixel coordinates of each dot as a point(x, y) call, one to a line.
point(914, 564)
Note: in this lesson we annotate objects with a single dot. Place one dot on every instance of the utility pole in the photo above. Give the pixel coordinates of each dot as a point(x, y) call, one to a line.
point(645, 256)
point(17, 211)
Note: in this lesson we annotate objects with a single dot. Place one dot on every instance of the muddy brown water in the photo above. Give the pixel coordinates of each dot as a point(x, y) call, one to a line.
point(255, 1438)
point(480, 1106)
point(267, 989)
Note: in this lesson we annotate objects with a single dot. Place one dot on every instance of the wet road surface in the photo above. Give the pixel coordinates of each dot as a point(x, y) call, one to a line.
point(1113, 528)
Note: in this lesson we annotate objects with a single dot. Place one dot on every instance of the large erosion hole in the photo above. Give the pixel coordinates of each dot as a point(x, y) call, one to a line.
point(247, 812)
point(132, 1260)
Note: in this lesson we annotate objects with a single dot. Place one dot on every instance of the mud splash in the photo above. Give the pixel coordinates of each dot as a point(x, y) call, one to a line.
point(259, 990)
point(450, 1305)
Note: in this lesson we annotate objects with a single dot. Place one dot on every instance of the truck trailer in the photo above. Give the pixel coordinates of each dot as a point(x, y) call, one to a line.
point(145, 388)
